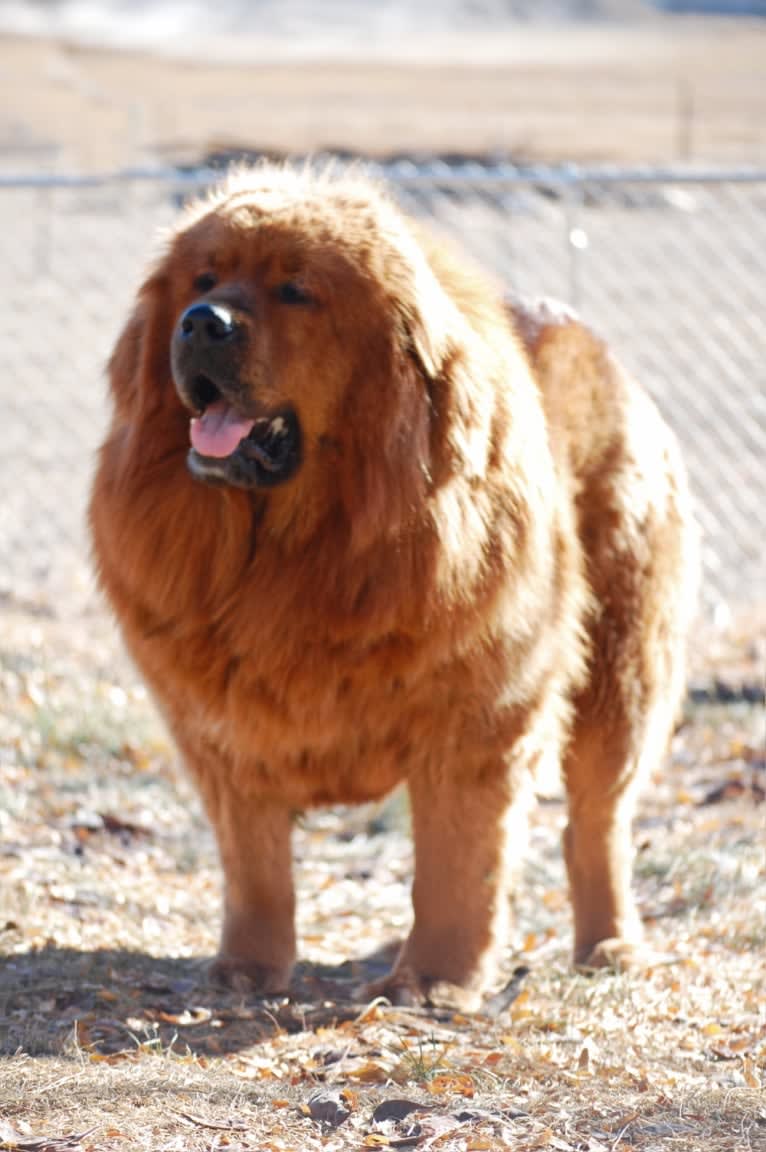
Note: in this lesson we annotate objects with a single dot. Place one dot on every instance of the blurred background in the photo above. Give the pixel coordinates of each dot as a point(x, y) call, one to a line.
point(608, 152)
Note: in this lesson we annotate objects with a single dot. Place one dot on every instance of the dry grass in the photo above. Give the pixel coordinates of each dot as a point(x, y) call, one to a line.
point(109, 903)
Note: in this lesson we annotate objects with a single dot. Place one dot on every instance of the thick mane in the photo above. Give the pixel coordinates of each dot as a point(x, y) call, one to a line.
point(412, 482)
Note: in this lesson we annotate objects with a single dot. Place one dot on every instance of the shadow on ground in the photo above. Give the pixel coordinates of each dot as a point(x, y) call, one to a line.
point(111, 1001)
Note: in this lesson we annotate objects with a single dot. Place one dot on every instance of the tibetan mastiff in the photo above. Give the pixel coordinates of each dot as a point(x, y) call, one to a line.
point(364, 521)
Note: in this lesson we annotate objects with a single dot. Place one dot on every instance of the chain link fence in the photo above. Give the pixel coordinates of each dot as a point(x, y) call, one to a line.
point(669, 265)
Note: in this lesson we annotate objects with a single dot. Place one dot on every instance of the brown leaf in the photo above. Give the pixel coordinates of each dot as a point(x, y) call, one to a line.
point(750, 1073)
point(371, 1073)
point(734, 789)
point(458, 1082)
point(116, 825)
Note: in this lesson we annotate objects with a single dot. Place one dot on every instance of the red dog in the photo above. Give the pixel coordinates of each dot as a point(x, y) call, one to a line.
point(362, 525)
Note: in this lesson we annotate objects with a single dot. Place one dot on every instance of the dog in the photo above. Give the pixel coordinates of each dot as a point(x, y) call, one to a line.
point(364, 522)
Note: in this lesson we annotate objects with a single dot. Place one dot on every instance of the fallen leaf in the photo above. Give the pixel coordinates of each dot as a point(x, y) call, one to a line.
point(326, 1106)
point(502, 1000)
point(349, 1098)
point(458, 1082)
point(733, 790)
point(115, 824)
point(750, 1074)
point(186, 1017)
point(436, 1126)
point(8, 1134)
point(14, 1141)
point(200, 1122)
point(397, 1109)
point(372, 1073)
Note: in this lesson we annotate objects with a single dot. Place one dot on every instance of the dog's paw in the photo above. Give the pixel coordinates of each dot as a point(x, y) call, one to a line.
point(405, 988)
point(616, 954)
point(247, 977)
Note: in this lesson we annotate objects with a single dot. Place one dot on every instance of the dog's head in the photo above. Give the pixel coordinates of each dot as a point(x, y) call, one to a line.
point(296, 327)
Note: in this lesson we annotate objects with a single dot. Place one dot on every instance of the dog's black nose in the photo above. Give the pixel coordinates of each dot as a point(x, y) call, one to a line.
point(205, 324)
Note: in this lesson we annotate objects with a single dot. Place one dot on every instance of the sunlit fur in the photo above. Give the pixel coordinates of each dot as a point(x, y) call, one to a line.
point(485, 559)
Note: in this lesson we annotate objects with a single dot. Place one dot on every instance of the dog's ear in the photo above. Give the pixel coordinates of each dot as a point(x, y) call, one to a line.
point(456, 367)
point(429, 317)
point(124, 362)
point(139, 367)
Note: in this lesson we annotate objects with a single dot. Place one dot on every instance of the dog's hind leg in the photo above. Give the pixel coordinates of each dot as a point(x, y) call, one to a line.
point(641, 547)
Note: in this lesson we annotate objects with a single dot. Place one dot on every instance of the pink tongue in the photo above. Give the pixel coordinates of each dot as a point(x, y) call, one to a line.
point(219, 429)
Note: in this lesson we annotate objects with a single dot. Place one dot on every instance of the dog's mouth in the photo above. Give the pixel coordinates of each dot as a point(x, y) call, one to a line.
point(231, 448)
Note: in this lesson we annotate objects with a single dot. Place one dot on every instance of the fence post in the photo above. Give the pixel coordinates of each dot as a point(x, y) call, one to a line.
point(576, 238)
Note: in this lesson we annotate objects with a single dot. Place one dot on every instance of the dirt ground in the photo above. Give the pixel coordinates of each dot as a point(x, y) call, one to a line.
point(110, 1036)
point(652, 93)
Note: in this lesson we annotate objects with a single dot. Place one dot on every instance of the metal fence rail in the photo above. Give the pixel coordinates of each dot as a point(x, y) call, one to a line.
point(670, 265)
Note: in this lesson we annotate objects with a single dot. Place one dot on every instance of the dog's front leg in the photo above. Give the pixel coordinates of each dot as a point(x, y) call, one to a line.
point(257, 949)
point(469, 828)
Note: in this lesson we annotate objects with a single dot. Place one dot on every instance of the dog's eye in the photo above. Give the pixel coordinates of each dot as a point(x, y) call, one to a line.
point(205, 283)
point(292, 293)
